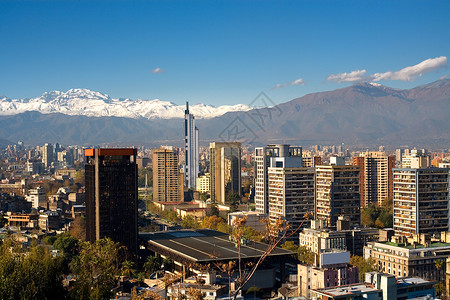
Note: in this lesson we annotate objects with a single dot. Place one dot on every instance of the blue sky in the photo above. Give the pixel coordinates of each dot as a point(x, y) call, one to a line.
point(219, 52)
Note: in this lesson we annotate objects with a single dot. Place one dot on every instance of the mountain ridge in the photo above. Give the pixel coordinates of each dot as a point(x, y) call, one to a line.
point(92, 103)
point(361, 114)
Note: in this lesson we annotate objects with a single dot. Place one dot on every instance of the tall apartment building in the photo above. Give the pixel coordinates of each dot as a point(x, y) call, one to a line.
point(111, 195)
point(337, 194)
point(291, 196)
point(421, 201)
point(47, 155)
point(263, 156)
point(225, 166)
point(167, 179)
point(191, 150)
point(375, 176)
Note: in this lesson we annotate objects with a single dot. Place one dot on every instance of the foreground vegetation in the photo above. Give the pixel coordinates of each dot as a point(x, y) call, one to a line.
point(37, 273)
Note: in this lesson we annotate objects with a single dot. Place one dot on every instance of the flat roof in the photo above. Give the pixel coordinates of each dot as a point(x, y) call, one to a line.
point(417, 246)
point(111, 151)
point(354, 289)
point(205, 245)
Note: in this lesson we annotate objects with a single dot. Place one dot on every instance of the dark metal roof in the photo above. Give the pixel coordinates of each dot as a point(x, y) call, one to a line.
point(205, 245)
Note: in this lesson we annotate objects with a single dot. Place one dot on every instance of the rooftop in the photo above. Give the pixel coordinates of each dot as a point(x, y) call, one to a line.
point(353, 289)
point(205, 245)
point(417, 246)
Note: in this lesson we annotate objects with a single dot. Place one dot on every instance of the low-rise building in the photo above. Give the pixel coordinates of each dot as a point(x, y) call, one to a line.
point(24, 221)
point(333, 269)
point(181, 290)
point(49, 221)
point(402, 259)
point(378, 286)
point(318, 238)
point(35, 196)
point(401, 288)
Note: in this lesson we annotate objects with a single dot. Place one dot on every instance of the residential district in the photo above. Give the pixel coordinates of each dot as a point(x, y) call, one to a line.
point(225, 221)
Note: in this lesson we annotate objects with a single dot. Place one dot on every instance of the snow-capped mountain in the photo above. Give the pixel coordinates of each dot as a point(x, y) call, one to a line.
point(94, 104)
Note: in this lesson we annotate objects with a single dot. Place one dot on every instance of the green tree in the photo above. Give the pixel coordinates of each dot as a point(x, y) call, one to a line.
point(168, 264)
point(290, 245)
point(364, 265)
point(233, 199)
point(96, 268)
point(305, 255)
point(49, 240)
point(152, 264)
point(190, 222)
point(33, 274)
point(214, 209)
point(128, 268)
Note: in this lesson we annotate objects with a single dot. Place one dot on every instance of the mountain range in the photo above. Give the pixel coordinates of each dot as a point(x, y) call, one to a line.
point(84, 102)
point(363, 114)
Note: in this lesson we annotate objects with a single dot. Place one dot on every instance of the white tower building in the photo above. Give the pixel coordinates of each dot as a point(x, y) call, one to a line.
point(191, 168)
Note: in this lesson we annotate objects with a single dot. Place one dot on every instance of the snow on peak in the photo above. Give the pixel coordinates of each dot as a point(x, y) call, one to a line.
point(90, 103)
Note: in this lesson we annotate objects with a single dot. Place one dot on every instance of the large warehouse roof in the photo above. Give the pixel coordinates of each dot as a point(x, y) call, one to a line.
point(205, 245)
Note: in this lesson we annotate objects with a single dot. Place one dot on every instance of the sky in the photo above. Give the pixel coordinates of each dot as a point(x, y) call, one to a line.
point(219, 52)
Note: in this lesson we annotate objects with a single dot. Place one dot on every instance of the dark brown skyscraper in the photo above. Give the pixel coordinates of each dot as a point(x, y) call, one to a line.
point(111, 195)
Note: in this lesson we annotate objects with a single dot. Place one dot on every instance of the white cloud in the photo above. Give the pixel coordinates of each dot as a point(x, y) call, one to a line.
point(157, 71)
point(299, 81)
point(413, 72)
point(353, 76)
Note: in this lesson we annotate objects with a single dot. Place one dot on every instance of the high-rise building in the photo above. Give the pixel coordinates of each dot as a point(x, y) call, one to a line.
point(375, 176)
point(291, 196)
point(263, 157)
point(167, 179)
point(111, 195)
point(416, 159)
point(225, 166)
point(191, 152)
point(47, 155)
point(337, 194)
point(421, 201)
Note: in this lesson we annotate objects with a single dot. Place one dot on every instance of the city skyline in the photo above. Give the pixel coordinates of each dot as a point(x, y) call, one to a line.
point(219, 53)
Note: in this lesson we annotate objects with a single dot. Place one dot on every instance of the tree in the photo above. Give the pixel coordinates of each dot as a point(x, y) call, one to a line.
point(128, 268)
point(233, 199)
point(214, 209)
point(168, 264)
point(364, 265)
point(212, 222)
point(96, 268)
point(305, 255)
point(152, 264)
point(33, 274)
point(69, 246)
point(190, 222)
point(78, 230)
